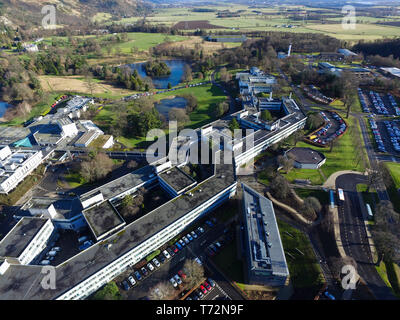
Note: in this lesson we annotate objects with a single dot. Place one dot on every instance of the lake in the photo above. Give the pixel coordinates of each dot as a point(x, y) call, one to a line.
point(3, 108)
point(175, 78)
point(165, 105)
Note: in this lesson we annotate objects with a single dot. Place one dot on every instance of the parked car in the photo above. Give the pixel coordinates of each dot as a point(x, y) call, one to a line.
point(125, 285)
point(209, 223)
point(82, 239)
point(174, 249)
point(45, 262)
point(185, 239)
point(194, 234)
point(199, 293)
point(161, 258)
point(172, 280)
point(182, 274)
point(189, 237)
point(204, 290)
point(182, 243)
point(144, 271)
point(178, 245)
point(200, 230)
point(178, 279)
point(207, 286)
point(166, 254)
point(150, 267)
point(171, 251)
point(198, 261)
point(131, 280)
point(138, 275)
point(156, 263)
point(211, 282)
point(58, 249)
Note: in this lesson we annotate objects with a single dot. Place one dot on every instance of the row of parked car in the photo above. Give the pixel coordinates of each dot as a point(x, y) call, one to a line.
point(168, 253)
point(216, 246)
point(378, 103)
point(377, 135)
point(363, 102)
point(394, 104)
point(321, 136)
point(202, 290)
point(50, 256)
point(394, 133)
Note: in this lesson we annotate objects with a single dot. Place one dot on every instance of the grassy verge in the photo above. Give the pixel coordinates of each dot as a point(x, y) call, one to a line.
point(394, 169)
point(390, 274)
point(304, 269)
point(321, 195)
point(370, 197)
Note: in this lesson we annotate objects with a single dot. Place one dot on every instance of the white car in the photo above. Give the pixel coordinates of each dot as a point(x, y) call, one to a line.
point(172, 280)
point(166, 254)
point(156, 263)
point(131, 280)
point(178, 279)
point(150, 266)
point(198, 261)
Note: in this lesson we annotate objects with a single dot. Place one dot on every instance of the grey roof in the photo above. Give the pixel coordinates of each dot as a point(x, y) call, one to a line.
point(177, 179)
point(85, 137)
point(259, 221)
point(20, 236)
point(24, 283)
point(103, 218)
point(12, 134)
point(122, 184)
point(66, 207)
point(305, 155)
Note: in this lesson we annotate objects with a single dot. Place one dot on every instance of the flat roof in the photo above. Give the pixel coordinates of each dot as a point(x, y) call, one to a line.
point(102, 218)
point(306, 155)
point(20, 236)
point(83, 139)
point(177, 179)
point(122, 184)
point(12, 134)
point(24, 282)
point(393, 71)
point(264, 241)
point(66, 207)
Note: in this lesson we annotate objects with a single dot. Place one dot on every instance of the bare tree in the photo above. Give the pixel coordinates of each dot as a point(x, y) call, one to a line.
point(161, 291)
point(194, 272)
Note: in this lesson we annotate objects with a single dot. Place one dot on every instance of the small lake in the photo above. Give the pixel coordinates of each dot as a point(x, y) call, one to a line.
point(175, 78)
point(165, 105)
point(3, 107)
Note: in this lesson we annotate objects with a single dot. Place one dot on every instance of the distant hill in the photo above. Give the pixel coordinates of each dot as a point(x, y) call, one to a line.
point(69, 12)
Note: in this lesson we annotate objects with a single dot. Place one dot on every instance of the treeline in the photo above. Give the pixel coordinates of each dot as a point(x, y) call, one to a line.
point(156, 68)
point(384, 48)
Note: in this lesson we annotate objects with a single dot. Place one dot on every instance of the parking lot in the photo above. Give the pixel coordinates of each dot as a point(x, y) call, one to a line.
point(174, 266)
point(333, 128)
point(386, 135)
point(378, 103)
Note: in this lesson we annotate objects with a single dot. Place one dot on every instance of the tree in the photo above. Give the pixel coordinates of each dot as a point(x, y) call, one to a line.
point(179, 115)
point(89, 83)
point(286, 163)
point(187, 73)
point(234, 125)
point(161, 291)
point(280, 187)
point(386, 244)
point(194, 273)
point(96, 168)
point(310, 208)
point(225, 75)
point(221, 109)
point(109, 292)
point(266, 115)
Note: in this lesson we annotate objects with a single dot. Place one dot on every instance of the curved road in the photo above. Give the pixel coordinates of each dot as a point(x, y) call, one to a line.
point(354, 235)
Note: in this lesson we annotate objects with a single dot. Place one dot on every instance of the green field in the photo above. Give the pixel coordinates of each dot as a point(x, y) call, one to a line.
point(304, 269)
point(341, 158)
point(394, 169)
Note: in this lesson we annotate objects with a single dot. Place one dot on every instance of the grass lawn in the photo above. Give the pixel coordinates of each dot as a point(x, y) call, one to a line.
point(390, 274)
point(371, 197)
point(341, 158)
point(227, 261)
point(208, 97)
point(304, 270)
point(394, 169)
point(321, 195)
point(74, 179)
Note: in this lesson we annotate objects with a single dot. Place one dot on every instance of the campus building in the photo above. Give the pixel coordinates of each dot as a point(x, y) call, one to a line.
point(265, 257)
point(305, 158)
point(16, 165)
point(26, 240)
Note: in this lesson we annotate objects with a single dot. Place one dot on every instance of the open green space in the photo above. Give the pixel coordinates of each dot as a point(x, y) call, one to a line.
point(321, 195)
point(304, 269)
point(390, 274)
point(393, 191)
point(342, 157)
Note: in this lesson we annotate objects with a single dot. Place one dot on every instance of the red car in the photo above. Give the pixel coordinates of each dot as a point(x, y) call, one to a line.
point(204, 290)
point(175, 249)
point(208, 287)
point(182, 274)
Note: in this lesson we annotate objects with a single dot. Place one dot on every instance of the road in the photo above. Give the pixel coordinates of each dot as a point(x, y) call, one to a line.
point(354, 235)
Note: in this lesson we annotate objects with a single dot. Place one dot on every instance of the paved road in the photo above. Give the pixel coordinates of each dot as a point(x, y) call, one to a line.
point(354, 236)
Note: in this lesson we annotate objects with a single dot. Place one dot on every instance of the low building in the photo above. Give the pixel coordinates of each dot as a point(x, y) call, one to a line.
point(226, 38)
point(392, 72)
point(26, 240)
point(265, 257)
point(306, 158)
point(68, 127)
point(347, 53)
point(175, 181)
point(86, 138)
point(15, 166)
